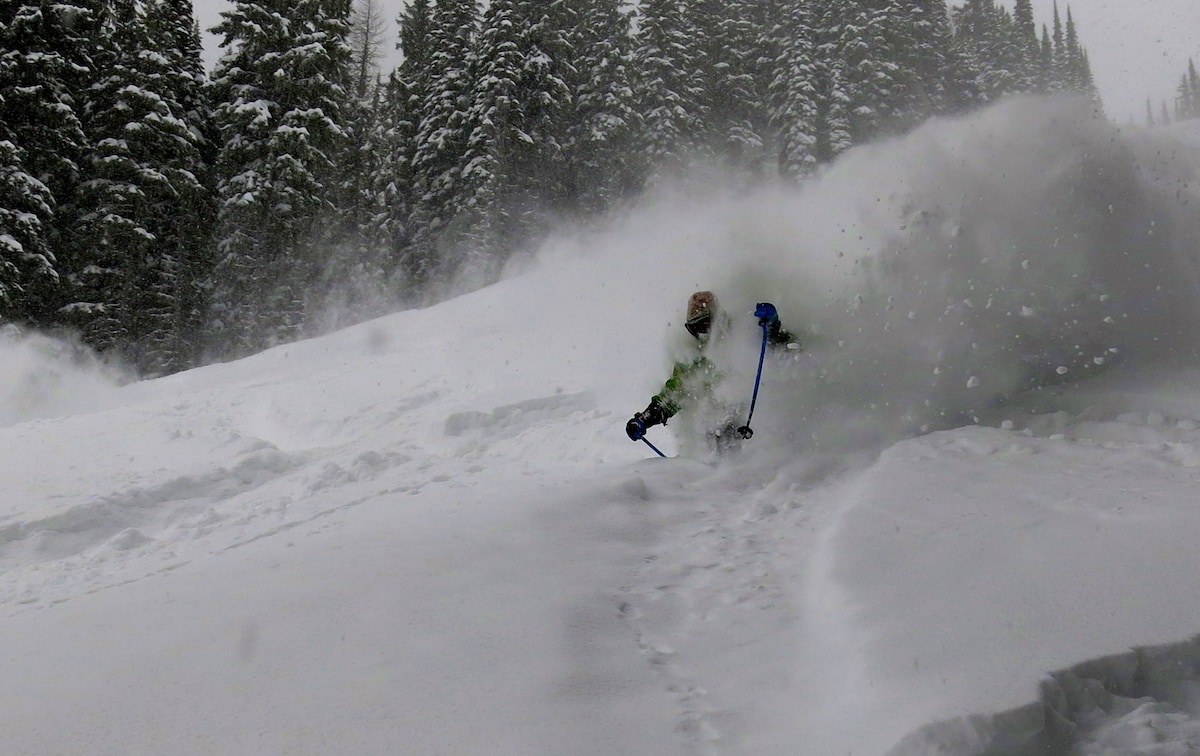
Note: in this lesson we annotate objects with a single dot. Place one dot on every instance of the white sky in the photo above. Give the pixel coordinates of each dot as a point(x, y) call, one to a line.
point(1138, 48)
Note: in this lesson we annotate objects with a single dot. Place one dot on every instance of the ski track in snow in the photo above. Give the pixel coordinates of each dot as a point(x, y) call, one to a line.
point(276, 475)
point(746, 560)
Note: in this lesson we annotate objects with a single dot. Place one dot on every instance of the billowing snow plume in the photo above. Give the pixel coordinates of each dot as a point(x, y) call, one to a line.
point(934, 277)
point(42, 377)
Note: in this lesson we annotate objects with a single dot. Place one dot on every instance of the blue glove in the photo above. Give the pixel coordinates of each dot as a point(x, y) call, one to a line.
point(635, 428)
point(766, 313)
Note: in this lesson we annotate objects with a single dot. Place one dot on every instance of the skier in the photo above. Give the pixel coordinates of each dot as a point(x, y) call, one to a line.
point(691, 387)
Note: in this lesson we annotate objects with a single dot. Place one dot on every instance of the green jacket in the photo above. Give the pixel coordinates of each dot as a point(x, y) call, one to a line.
point(688, 381)
point(694, 379)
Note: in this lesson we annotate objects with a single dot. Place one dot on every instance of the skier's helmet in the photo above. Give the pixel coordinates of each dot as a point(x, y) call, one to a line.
point(701, 308)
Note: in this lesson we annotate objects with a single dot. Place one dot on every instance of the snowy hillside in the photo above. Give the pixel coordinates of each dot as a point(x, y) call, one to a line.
point(966, 522)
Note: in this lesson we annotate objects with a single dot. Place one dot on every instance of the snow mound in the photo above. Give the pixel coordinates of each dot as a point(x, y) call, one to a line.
point(1145, 702)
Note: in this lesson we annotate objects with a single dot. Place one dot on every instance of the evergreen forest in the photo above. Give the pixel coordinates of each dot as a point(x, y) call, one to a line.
point(170, 215)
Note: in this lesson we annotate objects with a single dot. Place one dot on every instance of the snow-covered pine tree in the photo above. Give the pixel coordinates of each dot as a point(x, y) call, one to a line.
point(1057, 81)
point(936, 81)
point(415, 23)
point(733, 43)
point(121, 289)
point(389, 142)
point(1076, 72)
point(869, 47)
point(832, 120)
point(440, 143)
point(793, 92)
point(515, 164)
point(393, 138)
point(25, 209)
point(666, 89)
point(44, 65)
point(27, 266)
point(1183, 99)
point(1044, 81)
point(352, 282)
point(900, 66)
point(987, 39)
point(174, 34)
point(1028, 46)
point(142, 212)
point(599, 143)
point(488, 171)
point(1070, 62)
point(280, 105)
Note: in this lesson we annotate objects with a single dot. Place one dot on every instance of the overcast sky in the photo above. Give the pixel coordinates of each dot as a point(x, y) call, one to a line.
point(1138, 48)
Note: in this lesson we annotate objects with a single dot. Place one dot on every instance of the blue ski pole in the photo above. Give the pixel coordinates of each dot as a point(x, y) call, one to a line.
point(652, 446)
point(636, 430)
point(745, 431)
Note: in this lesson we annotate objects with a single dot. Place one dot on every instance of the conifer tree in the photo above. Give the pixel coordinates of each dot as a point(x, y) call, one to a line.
point(172, 28)
point(604, 166)
point(388, 143)
point(1057, 82)
point(27, 266)
point(1045, 81)
point(143, 215)
point(834, 100)
point(121, 293)
point(1193, 84)
point(667, 87)
point(393, 138)
point(1074, 73)
point(351, 282)
point(416, 23)
point(44, 66)
point(732, 39)
point(901, 66)
point(869, 53)
point(988, 39)
point(489, 174)
point(440, 144)
point(280, 106)
point(1028, 45)
point(1184, 102)
point(366, 45)
point(793, 91)
point(1187, 103)
point(934, 82)
point(1072, 66)
point(514, 169)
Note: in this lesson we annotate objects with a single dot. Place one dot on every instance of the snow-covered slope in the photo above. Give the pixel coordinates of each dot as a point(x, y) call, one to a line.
point(429, 534)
